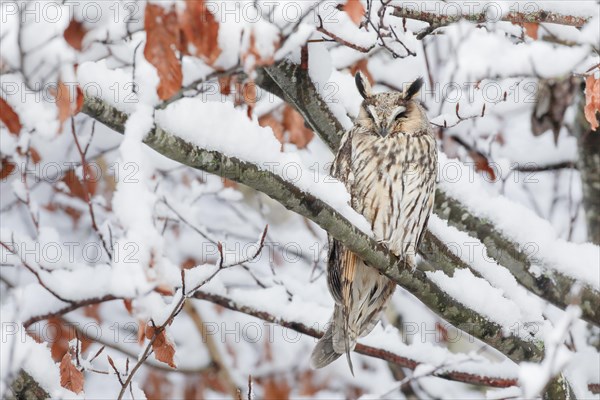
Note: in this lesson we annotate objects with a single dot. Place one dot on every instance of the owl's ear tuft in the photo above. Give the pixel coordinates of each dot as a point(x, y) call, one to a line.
point(362, 84)
point(413, 89)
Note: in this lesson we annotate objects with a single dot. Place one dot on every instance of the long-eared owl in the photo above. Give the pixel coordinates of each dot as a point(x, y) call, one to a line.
point(388, 163)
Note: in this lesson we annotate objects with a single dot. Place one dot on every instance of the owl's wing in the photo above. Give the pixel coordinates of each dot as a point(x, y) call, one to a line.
point(427, 210)
point(341, 168)
point(337, 271)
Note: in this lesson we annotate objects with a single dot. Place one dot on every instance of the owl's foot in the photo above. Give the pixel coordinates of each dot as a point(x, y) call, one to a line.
point(407, 262)
point(385, 243)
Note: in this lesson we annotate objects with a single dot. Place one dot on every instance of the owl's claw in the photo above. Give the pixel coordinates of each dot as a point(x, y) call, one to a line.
point(384, 243)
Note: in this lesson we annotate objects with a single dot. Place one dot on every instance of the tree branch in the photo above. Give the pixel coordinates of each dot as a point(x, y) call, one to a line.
point(321, 213)
point(437, 20)
point(405, 362)
point(554, 287)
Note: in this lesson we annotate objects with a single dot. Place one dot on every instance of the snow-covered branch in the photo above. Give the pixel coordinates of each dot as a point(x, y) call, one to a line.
point(418, 283)
point(552, 285)
point(438, 20)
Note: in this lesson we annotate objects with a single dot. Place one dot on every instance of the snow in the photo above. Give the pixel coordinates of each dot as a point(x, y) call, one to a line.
point(496, 307)
point(534, 377)
point(19, 350)
point(531, 233)
point(195, 121)
point(474, 254)
point(138, 190)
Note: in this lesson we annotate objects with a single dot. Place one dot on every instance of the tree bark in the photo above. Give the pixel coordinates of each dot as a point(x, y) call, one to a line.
point(588, 143)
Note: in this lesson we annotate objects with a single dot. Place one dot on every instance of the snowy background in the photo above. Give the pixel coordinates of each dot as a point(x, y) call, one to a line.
point(126, 273)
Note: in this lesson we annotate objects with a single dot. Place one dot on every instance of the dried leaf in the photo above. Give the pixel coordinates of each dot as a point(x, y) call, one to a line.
point(228, 183)
point(162, 36)
point(201, 30)
point(34, 155)
point(355, 10)
point(482, 164)
point(68, 103)
point(93, 311)
point(78, 101)
point(157, 386)
point(225, 85)
point(268, 120)
point(298, 133)
point(164, 349)
point(592, 101)
point(77, 187)
point(128, 303)
point(164, 289)
point(7, 168)
point(189, 263)
point(531, 29)
point(63, 102)
point(308, 385)
point(141, 331)
point(74, 34)
point(361, 66)
point(249, 96)
point(70, 377)
point(276, 389)
point(9, 118)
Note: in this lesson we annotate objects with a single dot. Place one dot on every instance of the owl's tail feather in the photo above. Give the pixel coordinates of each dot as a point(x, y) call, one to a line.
point(324, 353)
point(335, 342)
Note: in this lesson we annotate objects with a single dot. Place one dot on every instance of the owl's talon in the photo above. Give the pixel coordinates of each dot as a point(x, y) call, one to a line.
point(384, 243)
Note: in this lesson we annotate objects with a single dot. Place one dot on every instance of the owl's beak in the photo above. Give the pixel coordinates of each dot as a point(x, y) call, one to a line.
point(383, 131)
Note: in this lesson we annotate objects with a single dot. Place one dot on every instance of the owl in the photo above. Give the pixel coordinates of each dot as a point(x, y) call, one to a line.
point(388, 163)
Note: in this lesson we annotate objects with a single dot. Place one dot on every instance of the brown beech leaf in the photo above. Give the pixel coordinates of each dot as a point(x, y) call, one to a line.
point(298, 133)
point(592, 101)
point(228, 183)
point(141, 331)
point(78, 101)
point(189, 263)
point(157, 386)
point(128, 303)
point(93, 311)
point(70, 377)
point(201, 30)
point(9, 118)
point(164, 350)
point(355, 10)
point(74, 34)
point(225, 85)
point(482, 164)
point(531, 29)
point(35, 156)
point(164, 289)
point(276, 389)
point(68, 103)
point(7, 168)
point(162, 37)
point(77, 187)
point(249, 96)
point(63, 102)
point(361, 66)
point(268, 120)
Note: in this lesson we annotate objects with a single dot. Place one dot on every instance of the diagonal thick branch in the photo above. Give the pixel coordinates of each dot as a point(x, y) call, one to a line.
point(295, 86)
point(311, 207)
